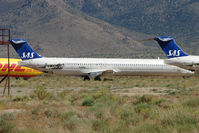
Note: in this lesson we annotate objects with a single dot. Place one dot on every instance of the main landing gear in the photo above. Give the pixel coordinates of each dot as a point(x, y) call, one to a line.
point(86, 78)
point(97, 78)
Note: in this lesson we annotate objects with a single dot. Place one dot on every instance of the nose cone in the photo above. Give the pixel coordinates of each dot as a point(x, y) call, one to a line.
point(187, 72)
point(36, 72)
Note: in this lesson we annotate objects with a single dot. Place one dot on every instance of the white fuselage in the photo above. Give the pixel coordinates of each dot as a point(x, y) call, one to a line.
point(104, 66)
point(187, 62)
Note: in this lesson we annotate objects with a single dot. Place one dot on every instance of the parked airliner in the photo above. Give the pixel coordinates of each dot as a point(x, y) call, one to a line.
point(176, 56)
point(94, 67)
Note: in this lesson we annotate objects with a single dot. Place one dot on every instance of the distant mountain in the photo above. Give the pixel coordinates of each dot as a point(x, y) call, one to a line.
point(54, 28)
point(179, 18)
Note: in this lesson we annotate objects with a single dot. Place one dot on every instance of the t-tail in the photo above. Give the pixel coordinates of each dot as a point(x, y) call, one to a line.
point(169, 46)
point(24, 50)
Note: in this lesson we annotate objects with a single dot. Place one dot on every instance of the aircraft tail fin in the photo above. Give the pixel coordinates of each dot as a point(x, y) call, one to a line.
point(23, 49)
point(169, 46)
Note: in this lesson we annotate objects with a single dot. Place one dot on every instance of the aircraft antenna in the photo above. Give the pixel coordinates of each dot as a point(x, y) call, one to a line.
point(146, 40)
point(5, 40)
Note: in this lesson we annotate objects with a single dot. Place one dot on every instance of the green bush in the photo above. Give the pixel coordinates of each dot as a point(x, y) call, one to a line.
point(51, 113)
point(141, 108)
point(7, 127)
point(143, 99)
point(67, 115)
point(48, 113)
point(21, 98)
point(28, 131)
point(88, 102)
point(159, 102)
point(179, 119)
point(130, 118)
point(36, 110)
point(41, 93)
point(8, 116)
point(148, 128)
point(100, 126)
point(68, 119)
point(99, 115)
point(193, 102)
point(63, 94)
point(96, 125)
point(73, 97)
point(70, 123)
point(120, 127)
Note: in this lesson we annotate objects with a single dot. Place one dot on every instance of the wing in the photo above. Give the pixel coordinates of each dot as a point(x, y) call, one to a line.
point(95, 73)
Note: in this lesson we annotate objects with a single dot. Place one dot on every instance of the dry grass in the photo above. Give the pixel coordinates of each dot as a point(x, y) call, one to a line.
point(68, 104)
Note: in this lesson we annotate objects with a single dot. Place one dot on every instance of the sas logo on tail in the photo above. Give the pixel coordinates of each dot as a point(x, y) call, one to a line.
point(174, 53)
point(28, 55)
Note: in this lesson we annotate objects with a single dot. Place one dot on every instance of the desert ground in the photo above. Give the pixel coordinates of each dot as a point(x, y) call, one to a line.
point(61, 104)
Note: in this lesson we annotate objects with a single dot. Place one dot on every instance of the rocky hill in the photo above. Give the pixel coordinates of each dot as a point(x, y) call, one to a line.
point(100, 28)
point(178, 18)
point(54, 28)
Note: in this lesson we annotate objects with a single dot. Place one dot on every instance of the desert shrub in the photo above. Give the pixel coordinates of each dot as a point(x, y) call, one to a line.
point(143, 99)
point(51, 113)
point(102, 93)
point(120, 127)
point(97, 95)
point(130, 118)
point(68, 119)
point(141, 108)
point(108, 100)
point(98, 106)
point(100, 125)
point(8, 116)
point(169, 85)
point(66, 115)
point(172, 93)
point(99, 115)
point(73, 97)
point(2, 102)
point(96, 125)
point(179, 119)
point(159, 102)
point(70, 123)
point(89, 101)
point(7, 127)
point(29, 131)
point(21, 98)
point(63, 94)
point(48, 113)
point(41, 93)
point(36, 110)
point(148, 128)
point(193, 102)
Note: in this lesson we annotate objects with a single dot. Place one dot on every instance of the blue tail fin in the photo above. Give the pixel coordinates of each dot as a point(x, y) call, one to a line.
point(24, 50)
point(170, 48)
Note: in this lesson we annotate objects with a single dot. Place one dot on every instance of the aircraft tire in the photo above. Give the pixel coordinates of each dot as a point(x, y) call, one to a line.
point(86, 78)
point(97, 78)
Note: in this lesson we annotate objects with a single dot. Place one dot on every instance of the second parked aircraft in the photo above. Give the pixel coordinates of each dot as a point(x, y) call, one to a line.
point(176, 56)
